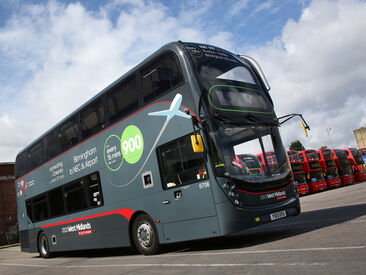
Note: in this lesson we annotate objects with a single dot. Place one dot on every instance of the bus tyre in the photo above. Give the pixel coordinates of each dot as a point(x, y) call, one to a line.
point(43, 247)
point(145, 235)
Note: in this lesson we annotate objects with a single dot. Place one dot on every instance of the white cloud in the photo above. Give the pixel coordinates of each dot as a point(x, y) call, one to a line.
point(318, 67)
point(239, 6)
point(65, 54)
point(264, 6)
point(53, 57)
point(223, 40)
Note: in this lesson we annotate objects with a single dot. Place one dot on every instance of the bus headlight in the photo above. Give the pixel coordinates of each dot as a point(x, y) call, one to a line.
point(232, 194)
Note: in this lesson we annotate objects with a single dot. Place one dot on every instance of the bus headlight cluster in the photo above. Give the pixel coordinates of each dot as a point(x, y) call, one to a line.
point(232, 193)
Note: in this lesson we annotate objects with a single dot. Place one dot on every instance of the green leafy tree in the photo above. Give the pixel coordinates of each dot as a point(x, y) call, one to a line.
point(323, 147)
point(296, 146)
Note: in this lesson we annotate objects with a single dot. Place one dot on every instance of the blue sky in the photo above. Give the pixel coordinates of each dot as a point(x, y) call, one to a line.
point(54, 55)
point(252, 22)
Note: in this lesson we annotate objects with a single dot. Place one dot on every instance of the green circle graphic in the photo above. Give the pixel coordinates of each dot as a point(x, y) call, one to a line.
point(113, 160)
point(132, 144)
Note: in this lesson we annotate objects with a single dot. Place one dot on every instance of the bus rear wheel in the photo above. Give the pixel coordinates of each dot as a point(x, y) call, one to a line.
point(145, 235)
point(43, 246)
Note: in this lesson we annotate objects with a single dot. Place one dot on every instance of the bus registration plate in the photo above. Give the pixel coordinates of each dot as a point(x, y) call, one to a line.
point(278, 215)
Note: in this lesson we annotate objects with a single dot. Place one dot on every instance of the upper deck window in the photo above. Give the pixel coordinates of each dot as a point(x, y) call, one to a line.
point(357, 155)
point(35, 155)
point(301, 156)
point(327, 154)
point(69, 133)
point(51, 145)
point(160, 75)
point(311, 155)
point(122, 99)
point(92, 119)
point(231, 83)
point(293, 156)
point(215, 63)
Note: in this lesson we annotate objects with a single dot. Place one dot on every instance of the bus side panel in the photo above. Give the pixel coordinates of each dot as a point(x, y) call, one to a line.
point(121, 181)
point(232, 219)
point(27, 241)
point(102, 232)
point(191, 230)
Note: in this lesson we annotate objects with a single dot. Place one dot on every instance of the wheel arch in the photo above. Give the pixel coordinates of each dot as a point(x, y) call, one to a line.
point(131, 222)
point(38, 234)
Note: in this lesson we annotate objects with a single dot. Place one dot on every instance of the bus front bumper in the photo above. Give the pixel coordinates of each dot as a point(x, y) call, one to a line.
point(234, 219)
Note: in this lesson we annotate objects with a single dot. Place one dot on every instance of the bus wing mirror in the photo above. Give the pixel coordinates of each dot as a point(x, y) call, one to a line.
point(304, 128)
point(197, 144)
point(285, 118)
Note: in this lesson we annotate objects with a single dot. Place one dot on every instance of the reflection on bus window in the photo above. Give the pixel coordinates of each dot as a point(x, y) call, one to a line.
point(242, 151)
point(160, 76)
point(179, 164)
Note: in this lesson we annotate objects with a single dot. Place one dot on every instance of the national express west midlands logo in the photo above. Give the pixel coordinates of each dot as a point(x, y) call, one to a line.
point(23, 187)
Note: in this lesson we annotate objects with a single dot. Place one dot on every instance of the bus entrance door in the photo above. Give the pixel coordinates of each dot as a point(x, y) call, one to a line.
point(187, 200)
point(190, 206)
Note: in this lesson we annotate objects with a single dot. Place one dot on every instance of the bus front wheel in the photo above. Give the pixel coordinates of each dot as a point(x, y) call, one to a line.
point(145, 235)
point(43, 246)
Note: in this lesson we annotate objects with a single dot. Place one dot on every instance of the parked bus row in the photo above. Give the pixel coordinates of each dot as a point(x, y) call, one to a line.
point(314, 171)
point(324, 169)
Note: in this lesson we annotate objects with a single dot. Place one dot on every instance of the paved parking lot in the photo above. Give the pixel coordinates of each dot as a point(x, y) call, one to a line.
point(329, 237)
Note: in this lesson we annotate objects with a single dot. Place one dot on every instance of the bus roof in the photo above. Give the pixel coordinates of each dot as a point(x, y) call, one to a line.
point(174, 46)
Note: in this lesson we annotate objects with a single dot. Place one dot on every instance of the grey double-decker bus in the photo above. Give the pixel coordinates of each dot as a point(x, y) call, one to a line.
point(152, 159)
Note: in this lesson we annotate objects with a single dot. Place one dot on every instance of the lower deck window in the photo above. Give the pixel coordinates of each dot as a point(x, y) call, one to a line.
point(78, 195)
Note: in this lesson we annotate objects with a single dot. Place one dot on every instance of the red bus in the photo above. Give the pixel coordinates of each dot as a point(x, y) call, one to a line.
point(363, 153)
point(355, 159)
point(251, 163)
point(343, 165)
point(329, 166)
point(271, 160)
point(299, 173)
point(312, 167)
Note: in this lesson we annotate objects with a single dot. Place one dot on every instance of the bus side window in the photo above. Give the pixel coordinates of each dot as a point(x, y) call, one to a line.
point(40, 208)
point(35, 155)
point(22, 165)
point(179, 165)
point(50, 145)
point(301, 157)
point(92, 119)
point(122, 100)
point(95, 192)
point(56, 202)
point(159, 76)
point(69, 134)
point(28, 204)
point(76, 197)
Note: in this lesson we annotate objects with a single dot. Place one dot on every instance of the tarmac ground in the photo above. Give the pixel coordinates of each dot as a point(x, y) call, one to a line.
point(328, 237)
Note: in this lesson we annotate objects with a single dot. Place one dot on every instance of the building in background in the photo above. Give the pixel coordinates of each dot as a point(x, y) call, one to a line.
point(360, 135)
point(8, 206)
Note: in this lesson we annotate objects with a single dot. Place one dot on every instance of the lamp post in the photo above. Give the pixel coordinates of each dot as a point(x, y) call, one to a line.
point(328, 132)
